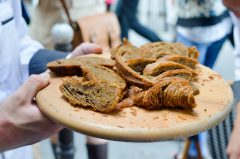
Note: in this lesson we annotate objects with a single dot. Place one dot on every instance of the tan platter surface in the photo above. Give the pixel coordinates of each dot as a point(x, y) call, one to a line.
point(137, 124)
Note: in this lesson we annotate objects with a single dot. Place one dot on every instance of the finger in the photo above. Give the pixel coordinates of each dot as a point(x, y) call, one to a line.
point(228, 149)
point(34, 83)
point(87, 48)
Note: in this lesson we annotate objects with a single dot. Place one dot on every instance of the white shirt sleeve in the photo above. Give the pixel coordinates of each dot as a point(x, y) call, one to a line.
point(27, 46)
point(236, 22)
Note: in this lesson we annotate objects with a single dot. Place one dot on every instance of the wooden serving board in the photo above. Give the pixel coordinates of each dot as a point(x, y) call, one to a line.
point(140, 125)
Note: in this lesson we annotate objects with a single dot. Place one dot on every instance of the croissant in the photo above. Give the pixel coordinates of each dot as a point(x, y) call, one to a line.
point(166, 93)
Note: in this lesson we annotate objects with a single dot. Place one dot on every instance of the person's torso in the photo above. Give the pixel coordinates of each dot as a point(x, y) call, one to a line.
point(10, 70)
point(200, 8)
point(10, 73)
point(200, 20)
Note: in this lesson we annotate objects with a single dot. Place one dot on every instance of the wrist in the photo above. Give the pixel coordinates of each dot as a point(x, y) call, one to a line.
point(9, 133)
point(6, 136)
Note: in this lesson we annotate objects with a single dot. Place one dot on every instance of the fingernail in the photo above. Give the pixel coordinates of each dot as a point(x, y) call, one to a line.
point(45, 76)
point(98, 50)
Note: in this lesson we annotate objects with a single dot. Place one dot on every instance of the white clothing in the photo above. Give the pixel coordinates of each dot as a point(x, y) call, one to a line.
point(16, 50)
point(207, 34)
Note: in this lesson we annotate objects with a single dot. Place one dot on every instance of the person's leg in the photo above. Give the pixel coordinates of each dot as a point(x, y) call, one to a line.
point(123, 25)
point(202, 48)
point(213, 52)
point(143, 31)
point(97, 148)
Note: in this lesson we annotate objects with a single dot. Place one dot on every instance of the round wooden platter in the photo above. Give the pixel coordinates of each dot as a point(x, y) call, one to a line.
point(137, 124)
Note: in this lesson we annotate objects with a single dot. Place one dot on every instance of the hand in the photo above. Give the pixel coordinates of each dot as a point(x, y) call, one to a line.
point(21, 122)
point(233, 148)
point(86, 48)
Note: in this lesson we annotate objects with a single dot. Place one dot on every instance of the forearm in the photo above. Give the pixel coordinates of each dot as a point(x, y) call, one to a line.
point(8, 135)
point(38, 62)
point(237, 119)
point(6, 138)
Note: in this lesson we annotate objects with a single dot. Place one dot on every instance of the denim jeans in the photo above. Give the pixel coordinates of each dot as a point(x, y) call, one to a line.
point(208, 51)
point(208, 55)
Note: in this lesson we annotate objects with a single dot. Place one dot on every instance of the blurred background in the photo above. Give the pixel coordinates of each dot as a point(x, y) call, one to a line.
point(160, 16)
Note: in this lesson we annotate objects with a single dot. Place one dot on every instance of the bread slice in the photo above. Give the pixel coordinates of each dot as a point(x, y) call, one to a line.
point(100, 73)
point(101, 96)
point(159, 67)
point(127, 51)
point(130, 75)
point(160, 49)
point(189, 62)
point(181, 73)
point(100, 88)
point(71, 67)
point(138, 64)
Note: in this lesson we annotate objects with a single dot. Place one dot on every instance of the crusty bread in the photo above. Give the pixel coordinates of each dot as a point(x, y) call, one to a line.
point(127, 51)
point(182, 73)
point(101, 88)
point(101, 73)
point(138, 64)
point(154, 76)
point(101, 96)
point(189, 62)
point(72, 66)
point(160, 49)
point(127, 72)
point(159, 67)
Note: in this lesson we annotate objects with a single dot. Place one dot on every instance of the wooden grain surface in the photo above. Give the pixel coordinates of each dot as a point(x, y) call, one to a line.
point(140, 125)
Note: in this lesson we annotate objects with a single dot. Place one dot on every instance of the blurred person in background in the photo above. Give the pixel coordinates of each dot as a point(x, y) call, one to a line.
point(45, 14)
point(205, 24)
point(126, 11)
point(108, 4)
point(21, 121)
point(233, 149)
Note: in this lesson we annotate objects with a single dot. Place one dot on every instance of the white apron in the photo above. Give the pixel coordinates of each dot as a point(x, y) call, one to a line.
point(13, 45)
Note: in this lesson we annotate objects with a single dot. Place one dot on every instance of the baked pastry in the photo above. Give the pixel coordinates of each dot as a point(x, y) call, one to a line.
point(71, 67)
point(101, 96)
point(154, 76)
point(138, 64)
point(159, 67)
point(189, 62)
point(166, 93)
point(123, 54)
point(160, 49)
point(127, 51)
point(100, 88)
point(181, 73)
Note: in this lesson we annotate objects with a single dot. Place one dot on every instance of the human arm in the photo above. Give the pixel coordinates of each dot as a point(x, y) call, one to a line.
point(233, 148)
point(21, 122)
point(38, 62)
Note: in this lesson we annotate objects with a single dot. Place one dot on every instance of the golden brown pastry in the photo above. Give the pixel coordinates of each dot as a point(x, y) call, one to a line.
point(71, 67)
point(166, 93)
point(100, 88)
point(160, 49)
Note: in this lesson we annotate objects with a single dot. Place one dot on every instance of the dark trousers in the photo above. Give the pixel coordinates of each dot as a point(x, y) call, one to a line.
point(133, 23)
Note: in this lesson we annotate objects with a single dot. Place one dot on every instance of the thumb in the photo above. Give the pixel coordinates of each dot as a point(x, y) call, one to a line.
point(86, 48)
point(34, 83)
